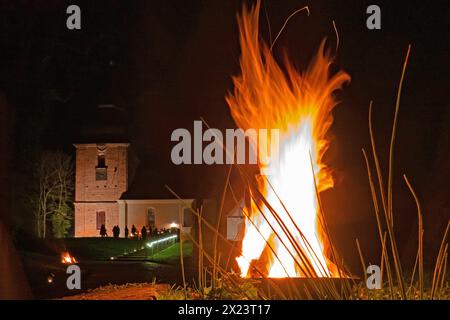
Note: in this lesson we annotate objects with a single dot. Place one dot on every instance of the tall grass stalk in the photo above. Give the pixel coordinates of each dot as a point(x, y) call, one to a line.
point(381, 232)
point(438, 265)
point(388, 209)
point(225, 240)
point(182, 261)
point(201, 269)
point(219, 219)
point(361, 257)
point(419, 237)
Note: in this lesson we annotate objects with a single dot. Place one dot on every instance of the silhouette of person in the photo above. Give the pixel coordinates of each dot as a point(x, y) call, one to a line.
point(116, 231)
point(133, 231)
point(103, 232)
point(126, 232)
point(143, 233)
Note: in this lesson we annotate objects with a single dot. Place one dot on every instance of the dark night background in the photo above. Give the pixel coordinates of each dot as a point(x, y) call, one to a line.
point(169, 62)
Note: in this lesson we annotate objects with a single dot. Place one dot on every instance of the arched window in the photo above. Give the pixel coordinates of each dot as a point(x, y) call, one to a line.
point(101, 219)
point(151, 218)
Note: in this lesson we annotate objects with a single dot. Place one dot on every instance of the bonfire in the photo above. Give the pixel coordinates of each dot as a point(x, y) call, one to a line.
point(66, 258)
point(285, 233)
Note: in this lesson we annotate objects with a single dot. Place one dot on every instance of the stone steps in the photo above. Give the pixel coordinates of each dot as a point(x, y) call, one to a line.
point(142, 254)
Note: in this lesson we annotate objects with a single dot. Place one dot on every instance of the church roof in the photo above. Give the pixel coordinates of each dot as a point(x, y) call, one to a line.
point(150, 183)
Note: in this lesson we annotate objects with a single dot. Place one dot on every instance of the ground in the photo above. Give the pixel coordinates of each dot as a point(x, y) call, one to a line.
point(142, 291)
point(97, 268)
point(139, 275)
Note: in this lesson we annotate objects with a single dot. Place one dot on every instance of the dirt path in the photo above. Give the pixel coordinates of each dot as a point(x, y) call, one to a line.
point(142, 291)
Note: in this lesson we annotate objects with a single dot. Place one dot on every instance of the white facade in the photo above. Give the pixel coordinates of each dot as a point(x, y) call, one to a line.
point(162, 213)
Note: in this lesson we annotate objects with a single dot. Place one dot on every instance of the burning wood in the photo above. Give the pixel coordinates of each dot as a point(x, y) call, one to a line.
point(284, 233)
point(66, 258)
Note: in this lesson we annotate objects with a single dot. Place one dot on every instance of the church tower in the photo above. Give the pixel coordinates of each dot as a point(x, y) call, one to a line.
point(101, 178)
point(101, 172)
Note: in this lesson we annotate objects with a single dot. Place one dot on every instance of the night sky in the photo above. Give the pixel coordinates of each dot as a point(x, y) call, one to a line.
point(169, 63)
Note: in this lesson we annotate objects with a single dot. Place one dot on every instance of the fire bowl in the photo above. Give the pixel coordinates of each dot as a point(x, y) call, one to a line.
point(304, 288)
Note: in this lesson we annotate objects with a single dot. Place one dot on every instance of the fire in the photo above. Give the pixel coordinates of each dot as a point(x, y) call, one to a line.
point(66, 258)
point(299, 104)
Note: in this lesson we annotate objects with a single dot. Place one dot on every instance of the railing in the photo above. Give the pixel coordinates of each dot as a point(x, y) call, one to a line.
point(161, 244)
point(152, 245)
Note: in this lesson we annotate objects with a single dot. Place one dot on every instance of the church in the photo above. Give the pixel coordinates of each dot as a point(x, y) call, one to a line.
point(105, 189)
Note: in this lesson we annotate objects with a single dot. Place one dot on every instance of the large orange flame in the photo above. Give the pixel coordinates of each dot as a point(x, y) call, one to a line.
point(299, 105)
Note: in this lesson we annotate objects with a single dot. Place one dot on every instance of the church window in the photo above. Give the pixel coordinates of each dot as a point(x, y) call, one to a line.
point(151, 222)
point(101, 219)
point(101, 169)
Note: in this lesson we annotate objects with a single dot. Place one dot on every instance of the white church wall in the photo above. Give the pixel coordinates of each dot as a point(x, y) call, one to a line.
point(167, 213)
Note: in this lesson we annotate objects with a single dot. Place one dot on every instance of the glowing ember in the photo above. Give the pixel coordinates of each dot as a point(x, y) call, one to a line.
point(66, 258)
point(299, 105)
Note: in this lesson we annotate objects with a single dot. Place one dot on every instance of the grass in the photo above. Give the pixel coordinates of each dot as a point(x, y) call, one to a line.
point(99, 248)
point(172, 254)
point(360, 292)
point(94, 248)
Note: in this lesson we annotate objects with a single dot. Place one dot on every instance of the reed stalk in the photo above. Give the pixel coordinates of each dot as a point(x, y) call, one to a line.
point(201, 277)
point(437, 266)
point(378, 217)
point(219, 219)
point(420, 236)
point(225, 240)
point(182, 261)
point(361, 257)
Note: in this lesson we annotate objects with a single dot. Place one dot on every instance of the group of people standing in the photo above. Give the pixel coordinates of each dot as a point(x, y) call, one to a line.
point(104, 232)
point(144, 234)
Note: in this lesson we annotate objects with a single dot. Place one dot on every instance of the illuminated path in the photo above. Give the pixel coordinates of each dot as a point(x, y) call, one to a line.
point(147, 252)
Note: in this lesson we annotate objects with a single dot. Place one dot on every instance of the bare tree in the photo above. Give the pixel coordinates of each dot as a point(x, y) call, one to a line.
point(55, 188)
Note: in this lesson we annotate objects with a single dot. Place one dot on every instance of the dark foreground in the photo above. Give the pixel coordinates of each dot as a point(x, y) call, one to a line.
point(47, 276)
